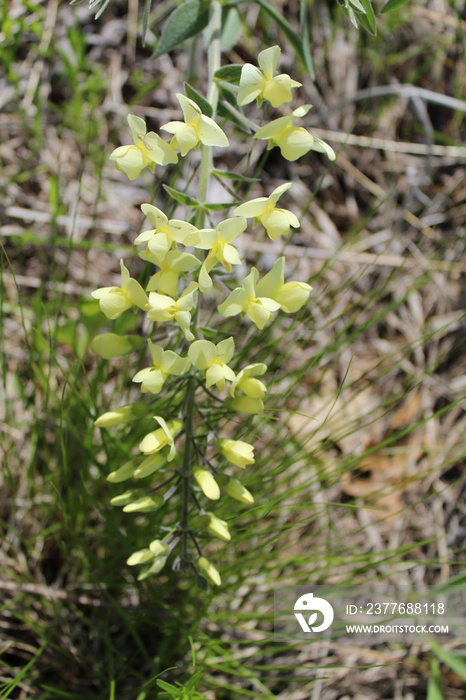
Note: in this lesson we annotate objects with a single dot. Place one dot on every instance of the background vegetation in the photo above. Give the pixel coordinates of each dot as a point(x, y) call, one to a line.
point(361, 467)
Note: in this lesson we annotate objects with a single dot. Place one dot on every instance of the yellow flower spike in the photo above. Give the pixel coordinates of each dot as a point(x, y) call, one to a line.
point(207, 483)
point(197, 128)
point(262, 84)
point(120, 416)
point(218, 241)
point(163, 308)
point(109, 345)
point(165, 435)
point(165, 362)
point(210, 571)
point(290, 295)
point(165, 233)
point(213, 359)
point(171, 267)
point(236, 490)
point(276, 221)
point(292, 141)
point(149, 150)
point(244, 300)
point(217, 527)
point(238, 452)
point(114, 300)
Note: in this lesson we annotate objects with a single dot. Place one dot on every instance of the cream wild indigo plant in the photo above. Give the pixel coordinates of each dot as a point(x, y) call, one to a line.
point(183, 454)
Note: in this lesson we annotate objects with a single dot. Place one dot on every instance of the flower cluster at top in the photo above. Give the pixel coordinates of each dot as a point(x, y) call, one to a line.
point(184, 258)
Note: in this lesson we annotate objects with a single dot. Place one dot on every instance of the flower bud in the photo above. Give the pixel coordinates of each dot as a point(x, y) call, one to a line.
point(210, 571)
point(217, 527)
point(207, 483)
point(236, 490)
point(122, 474)
point(140, 557)
point(145, 504)
point(244, 404)
point(237, 452)
point(109, 345)
point(159, 548)
point(120, 416)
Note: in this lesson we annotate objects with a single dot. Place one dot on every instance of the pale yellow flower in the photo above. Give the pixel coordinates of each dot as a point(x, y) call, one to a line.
point(246, 301)
point(114, 300)
point(276, 221)
point(174, 264)
point(149, 150)
point(164, 308)
point(292, 141)
point(197, 128)
point(262, 84)
point(160, 438)
point(165, 233)
point(254, 390)
point(213, 359)
point(164, 363)
point(218, 243)
point(290, 295)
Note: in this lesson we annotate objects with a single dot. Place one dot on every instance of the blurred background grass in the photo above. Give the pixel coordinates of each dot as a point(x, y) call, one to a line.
point(361, 454)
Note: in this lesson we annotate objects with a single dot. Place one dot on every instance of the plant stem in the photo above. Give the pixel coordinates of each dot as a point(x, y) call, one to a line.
point(214, 29)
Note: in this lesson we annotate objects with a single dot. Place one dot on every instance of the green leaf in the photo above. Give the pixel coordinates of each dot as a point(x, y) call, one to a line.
point(434, 690)
point(456, 664)
point(181, 197)
point(365, 22)
point(357, 6)
point(231, 28)
point(186, 21)
point(205, 106)
point(172, 690)
point(290, 34)
point(368, 16)
point(217, 206)
point(305, 38)
point(229, 74)
point(145, 19)
point(393, 5)
point(230, 175)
